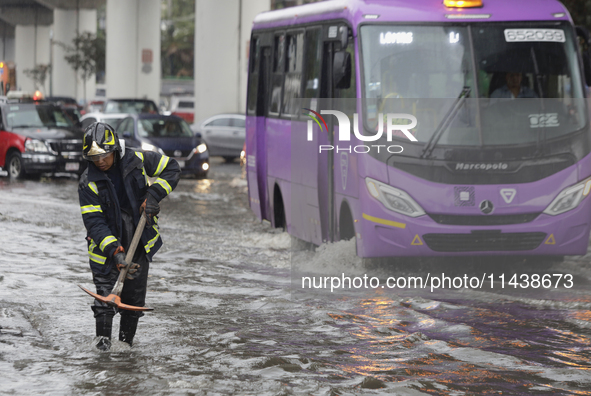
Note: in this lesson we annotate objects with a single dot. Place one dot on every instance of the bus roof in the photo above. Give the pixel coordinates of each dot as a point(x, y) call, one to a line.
point(358, 11)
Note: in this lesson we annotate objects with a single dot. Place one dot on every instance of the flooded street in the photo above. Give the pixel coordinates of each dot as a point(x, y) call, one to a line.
point(226, 321)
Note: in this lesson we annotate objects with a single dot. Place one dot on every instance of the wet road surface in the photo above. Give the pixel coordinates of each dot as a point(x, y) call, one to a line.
point(227, 320)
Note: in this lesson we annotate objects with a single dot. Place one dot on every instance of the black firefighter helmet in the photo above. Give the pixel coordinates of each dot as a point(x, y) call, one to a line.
point(100, 140)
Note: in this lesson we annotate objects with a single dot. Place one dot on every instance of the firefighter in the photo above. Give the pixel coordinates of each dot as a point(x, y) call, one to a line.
point(114, 190)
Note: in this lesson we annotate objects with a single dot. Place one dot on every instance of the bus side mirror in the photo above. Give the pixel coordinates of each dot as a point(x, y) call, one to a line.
point(341, 70)
point(584, 46)
point(344, 37)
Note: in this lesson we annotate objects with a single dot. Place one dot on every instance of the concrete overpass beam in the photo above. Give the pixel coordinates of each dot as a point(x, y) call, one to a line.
point(71, 4)
point(26, 15)
point(133, 49)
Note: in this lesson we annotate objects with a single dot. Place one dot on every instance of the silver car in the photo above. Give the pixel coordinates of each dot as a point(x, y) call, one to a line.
point(224, 134)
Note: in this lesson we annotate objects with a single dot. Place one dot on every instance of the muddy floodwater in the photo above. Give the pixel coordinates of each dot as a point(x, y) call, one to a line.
point(230, 317)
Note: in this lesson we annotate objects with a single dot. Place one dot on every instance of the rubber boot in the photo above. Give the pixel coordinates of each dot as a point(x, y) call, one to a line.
point(127, 328)
point(104, 326)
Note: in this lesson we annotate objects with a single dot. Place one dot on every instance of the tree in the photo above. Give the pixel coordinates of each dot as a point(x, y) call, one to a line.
point(38, 74)
point(84, 55)
point(580, 11)
point(177, 38)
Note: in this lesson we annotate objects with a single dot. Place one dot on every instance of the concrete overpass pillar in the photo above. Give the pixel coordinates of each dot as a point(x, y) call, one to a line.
point(250, 9)
point(32, 43)
point(6, 41)
point(133, 49)
point(222, 34)
point(68, 23)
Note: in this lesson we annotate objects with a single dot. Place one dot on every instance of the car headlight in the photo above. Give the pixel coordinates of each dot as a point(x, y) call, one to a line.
point(394, 198)
point(201, 148)
point(36, 146)
point(569, 198)
point(151, 147)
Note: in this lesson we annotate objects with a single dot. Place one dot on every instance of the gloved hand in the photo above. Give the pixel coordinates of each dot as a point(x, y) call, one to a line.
point(151, 207)
point(119, 257)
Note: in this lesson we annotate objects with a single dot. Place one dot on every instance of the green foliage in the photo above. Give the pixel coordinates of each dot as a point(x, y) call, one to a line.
point(177, 38)
point(84, 53)
point(580, 11)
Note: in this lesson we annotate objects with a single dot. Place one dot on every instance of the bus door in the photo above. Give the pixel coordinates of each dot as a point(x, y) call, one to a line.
point(336, 39)
point(326, 157)
point(255, 126)
point(256, 161)
point(261, 150)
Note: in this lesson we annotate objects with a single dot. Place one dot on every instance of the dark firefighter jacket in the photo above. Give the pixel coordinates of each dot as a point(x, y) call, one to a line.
point(100, 207)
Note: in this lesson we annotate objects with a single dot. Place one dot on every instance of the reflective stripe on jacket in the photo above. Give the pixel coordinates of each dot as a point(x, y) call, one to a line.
point(100, 208)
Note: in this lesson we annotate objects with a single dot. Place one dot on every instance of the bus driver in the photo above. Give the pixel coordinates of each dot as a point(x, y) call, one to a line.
point(513, 88)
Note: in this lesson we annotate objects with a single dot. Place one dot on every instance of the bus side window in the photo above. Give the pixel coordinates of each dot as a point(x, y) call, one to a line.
point(253, 76)
point(277, 74)
point(292, 87)
point(313, 63)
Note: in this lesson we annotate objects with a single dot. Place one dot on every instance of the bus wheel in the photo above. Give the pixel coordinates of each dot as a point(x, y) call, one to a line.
point(14, 166)
point(346, 226)
point(279, 210)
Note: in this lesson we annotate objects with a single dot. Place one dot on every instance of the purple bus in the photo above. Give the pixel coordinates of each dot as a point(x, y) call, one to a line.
point(422, 128)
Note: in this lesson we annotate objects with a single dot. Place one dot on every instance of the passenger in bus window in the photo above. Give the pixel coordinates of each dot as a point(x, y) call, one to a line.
point(513, 88)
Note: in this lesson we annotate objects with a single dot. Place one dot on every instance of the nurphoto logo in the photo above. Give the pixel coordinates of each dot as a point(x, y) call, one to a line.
point(392, 124)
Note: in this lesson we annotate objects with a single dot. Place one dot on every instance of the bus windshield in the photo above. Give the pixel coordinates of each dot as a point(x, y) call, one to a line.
point(413, 69)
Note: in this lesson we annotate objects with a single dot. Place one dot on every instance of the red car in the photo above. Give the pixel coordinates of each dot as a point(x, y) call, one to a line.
point(184, 107)
point(38, 137)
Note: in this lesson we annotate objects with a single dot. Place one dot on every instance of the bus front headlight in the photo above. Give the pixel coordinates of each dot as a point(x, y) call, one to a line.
point(569, 198)
point(394, 198)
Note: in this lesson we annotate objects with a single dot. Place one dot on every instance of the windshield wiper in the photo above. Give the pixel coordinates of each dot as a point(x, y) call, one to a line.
point(430, 146)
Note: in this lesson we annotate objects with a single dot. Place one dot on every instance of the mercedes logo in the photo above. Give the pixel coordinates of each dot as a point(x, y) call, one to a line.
point(177, 153)
point(486, 207)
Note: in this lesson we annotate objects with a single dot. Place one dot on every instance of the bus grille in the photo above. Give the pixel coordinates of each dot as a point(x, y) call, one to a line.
point(484, 241)
point(483, 220)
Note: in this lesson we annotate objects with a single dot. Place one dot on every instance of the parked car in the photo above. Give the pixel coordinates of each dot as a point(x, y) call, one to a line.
point(64, 100)
point(37, 137)
point(94, 106)
point(130, 106)
point(111, 119)
point(169, 135)
point(69, 106)
point(184, 107)
point(224, 134)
